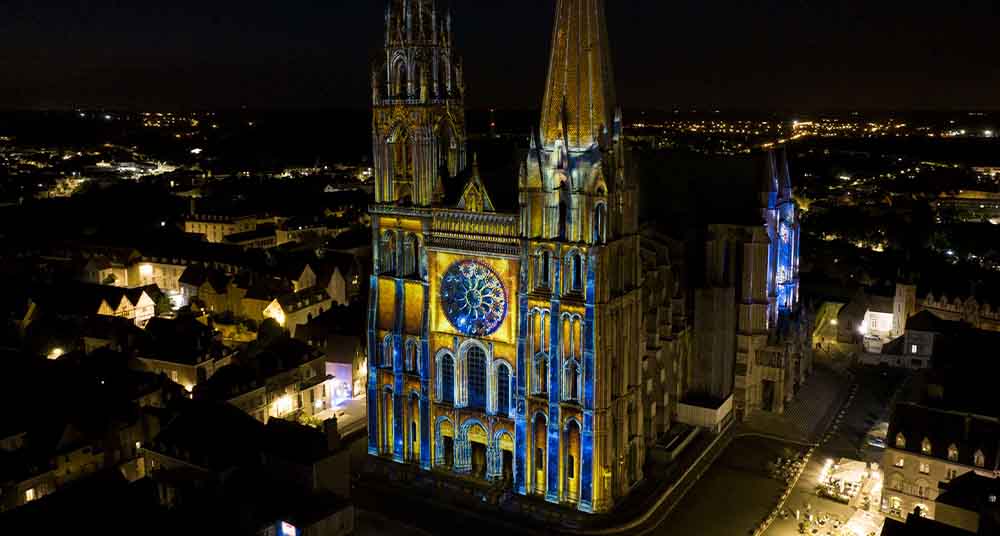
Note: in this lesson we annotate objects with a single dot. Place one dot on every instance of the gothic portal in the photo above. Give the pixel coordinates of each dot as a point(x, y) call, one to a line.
point(505, 346)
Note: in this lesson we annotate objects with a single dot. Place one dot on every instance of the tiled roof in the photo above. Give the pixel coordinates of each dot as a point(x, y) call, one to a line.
point(970, 433)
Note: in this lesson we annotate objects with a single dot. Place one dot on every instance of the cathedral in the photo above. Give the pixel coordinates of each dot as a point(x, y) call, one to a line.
point(505, 346)
point(509, 343)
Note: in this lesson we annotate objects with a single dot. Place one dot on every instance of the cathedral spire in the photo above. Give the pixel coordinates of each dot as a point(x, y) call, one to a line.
point(579, 94)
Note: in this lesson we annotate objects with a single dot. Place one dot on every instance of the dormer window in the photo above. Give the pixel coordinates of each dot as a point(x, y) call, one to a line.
point(900, 441)
point(979, 459)
point(925, 446)
point(953, 453)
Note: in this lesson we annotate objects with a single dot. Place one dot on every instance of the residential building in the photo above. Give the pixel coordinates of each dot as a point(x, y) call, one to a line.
point(298, 308)
point(926, 447)
point(185, 350)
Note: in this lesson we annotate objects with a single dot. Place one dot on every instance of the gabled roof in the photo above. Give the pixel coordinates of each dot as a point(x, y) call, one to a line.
point(474, 196)
point(302, 299)
point(970, 433)
point(928, 321)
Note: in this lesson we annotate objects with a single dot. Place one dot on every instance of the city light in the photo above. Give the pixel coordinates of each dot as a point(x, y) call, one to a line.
point(56, 353)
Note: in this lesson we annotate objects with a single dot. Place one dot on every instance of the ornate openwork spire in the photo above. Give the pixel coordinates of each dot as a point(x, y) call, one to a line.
point(579, 95)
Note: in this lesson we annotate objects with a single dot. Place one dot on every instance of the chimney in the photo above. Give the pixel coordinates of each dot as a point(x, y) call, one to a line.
point(332, 434)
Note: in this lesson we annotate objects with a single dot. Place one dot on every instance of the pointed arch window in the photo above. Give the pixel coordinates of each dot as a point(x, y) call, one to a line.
point(571, 380)
point(411, 255)
point(600, 223)
point(503, 390)
point(411, 356)
point(543, 272)
point(387, 351)
point(387, 253)
point(575, 275)
point(538, 348)
point(447, 379)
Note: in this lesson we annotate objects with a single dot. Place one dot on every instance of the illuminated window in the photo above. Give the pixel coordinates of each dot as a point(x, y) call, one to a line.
point(600, 223)
point(913, 348)
point(387, 253)
point(900, 440)
point(979, 459)
point(476, 363)
point(572, 380)
point(447, 379)
point(900, 462)
point(411, 356)
point(29, 495)
point(387, 351)
point(952, 473)
point(503, 390)
point(543, 276)
point(953, 452)
point(925, 468)
point(925, 446)
point(539, 459)
point(540, 376)
point(576, 271)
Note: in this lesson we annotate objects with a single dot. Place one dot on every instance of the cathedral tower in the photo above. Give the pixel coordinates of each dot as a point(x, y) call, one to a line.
point(581, 291)
point(504, 341)
point(417, 100)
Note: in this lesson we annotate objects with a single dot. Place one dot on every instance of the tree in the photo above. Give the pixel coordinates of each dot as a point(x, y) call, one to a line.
point(164, 305)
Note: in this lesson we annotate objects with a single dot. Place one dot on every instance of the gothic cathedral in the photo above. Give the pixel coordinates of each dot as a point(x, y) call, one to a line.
point(505, 346)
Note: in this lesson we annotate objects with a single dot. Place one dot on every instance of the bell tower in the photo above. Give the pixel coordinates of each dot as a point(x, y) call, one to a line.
point(418, 105)
point(581, 291)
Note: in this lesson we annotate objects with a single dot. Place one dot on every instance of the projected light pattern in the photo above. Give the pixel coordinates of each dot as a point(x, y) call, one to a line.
point(473, 297)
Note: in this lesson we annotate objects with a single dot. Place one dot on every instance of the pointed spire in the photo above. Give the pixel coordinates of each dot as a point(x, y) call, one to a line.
point(579, 95)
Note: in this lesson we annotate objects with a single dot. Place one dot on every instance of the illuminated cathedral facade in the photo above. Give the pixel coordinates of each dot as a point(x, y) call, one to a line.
point(505, 346)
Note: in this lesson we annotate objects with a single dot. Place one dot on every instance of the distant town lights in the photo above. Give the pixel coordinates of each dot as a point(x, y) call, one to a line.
point(196, 151)
point(56, 353)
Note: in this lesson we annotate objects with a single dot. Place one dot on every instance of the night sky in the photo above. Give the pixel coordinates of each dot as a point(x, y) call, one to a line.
point(764, 55)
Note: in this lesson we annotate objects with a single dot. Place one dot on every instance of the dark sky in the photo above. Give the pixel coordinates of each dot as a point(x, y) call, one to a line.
point(748, 54)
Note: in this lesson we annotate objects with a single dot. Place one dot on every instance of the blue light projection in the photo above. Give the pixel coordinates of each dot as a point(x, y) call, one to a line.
point(473, 298)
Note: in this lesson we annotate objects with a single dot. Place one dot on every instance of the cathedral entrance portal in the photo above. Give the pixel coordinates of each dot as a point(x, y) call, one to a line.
point(506, 446)
point(477, 447)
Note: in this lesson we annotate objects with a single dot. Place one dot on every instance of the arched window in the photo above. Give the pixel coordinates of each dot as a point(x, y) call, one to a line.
point(600, 223)
point(571, 380)
point(476, 363)
point(411, 356)
point(447, 373)
point(503, 390)
point(953, 453)
point(978, 459)
point(900, 441)
point(925, 446)
point(543, 275)
point(387, 253)
point(411, 255)
point(387, 351)
point(541, 375)
point(576, 271)
point(400, 88)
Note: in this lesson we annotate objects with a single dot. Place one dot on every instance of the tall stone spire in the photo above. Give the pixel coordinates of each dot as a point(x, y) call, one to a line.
point(579, 95)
